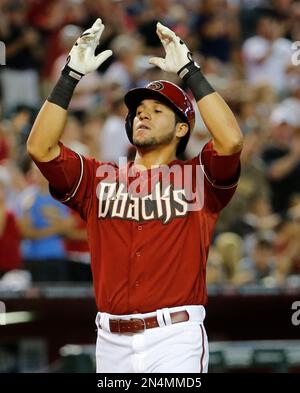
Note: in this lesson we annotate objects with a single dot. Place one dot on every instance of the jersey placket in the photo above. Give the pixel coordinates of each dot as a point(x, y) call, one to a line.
point(136, 277)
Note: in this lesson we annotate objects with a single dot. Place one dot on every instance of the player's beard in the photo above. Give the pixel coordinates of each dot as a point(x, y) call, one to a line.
point(152, 141)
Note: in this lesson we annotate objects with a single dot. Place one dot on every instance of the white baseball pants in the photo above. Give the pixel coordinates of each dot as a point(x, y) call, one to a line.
point(173, 348)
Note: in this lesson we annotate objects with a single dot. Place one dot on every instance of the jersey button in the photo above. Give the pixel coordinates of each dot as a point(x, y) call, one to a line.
point(139, 228)
point(137, 284)
point(138, 254)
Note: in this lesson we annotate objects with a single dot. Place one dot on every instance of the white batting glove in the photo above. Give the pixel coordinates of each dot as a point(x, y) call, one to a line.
point(82, 56)
point(177, 53)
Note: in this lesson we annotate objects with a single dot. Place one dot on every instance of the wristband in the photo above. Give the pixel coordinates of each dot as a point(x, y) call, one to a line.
point(63, 90)
point(195, 80)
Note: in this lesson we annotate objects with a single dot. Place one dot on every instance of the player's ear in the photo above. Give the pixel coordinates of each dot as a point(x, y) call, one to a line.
point(181, 129)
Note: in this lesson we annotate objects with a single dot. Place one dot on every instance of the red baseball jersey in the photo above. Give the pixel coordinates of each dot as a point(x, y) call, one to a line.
point(149, 231)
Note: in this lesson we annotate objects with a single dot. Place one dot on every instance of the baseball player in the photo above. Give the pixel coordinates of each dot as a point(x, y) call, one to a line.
point(149, 238)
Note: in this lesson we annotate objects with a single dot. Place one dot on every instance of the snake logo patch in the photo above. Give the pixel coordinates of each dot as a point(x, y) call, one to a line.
point(155, 86)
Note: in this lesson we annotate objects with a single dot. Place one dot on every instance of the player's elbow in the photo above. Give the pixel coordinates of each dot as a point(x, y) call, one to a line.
point(36, 150)
point(33, 150)
point(230, 146)
point(236, 144)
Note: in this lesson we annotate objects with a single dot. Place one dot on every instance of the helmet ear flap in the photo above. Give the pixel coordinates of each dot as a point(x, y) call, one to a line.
point(183, 143)
point(129, 125)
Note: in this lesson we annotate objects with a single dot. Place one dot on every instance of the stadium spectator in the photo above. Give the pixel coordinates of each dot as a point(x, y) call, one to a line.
point(252, 183)
point(77, 250)
point(268, 54)
point(113, 130)
point(124, 71)
point(287, 248)
point(282, 157)
point(92, 126)
point(10, 236)
point(44, 221)
point(24, 56)
point(259, 268)
point(73, 135)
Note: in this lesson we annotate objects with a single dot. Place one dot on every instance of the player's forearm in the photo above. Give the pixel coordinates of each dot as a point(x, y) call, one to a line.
point(216, 114)
point(221, 123)
point(47, 129)
point(43, 140)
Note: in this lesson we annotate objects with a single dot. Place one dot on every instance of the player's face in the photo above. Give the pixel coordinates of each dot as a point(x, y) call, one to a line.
point(154, 124)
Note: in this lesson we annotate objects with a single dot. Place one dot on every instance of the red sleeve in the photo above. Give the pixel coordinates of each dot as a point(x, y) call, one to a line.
point(221, 174)
point(71, 179)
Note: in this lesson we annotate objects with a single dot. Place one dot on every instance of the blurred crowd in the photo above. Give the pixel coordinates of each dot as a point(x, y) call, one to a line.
point(246, 50)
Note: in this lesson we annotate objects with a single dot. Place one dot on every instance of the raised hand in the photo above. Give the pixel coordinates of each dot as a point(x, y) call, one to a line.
point(177, 53)
point(82, 56)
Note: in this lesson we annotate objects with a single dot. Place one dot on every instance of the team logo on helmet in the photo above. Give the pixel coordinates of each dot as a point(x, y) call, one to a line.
point(155, 86)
